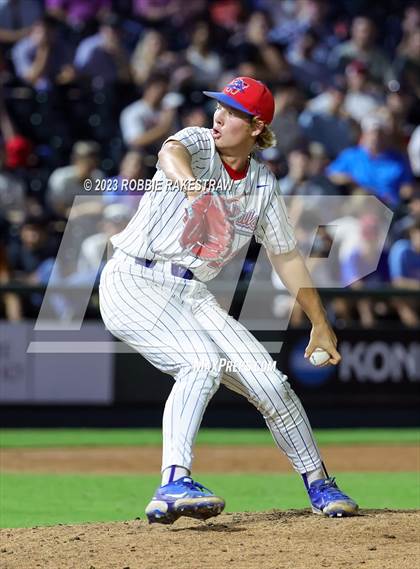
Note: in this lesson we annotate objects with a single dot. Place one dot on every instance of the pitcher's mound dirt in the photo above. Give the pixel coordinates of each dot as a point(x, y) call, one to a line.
point(266, 540)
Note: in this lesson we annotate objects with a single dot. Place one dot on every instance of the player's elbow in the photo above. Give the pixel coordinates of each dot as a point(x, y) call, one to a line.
point(170, 148)
point(175, 160)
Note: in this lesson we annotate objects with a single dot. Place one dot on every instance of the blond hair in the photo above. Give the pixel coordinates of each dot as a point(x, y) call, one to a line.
point(266, 138)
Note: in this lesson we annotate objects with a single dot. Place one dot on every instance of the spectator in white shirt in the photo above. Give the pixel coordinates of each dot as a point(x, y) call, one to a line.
point(67, 182)
point(148, 121)
point(115, 218)
point(360, 100)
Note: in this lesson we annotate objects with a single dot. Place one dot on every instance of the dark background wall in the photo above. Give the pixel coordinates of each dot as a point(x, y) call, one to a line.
point(377, 384)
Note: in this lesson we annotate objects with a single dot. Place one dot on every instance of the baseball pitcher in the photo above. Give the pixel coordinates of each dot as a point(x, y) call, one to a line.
point(209, 196)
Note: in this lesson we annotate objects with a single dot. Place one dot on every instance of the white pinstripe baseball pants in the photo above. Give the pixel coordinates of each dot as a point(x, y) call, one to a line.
point(179, 327)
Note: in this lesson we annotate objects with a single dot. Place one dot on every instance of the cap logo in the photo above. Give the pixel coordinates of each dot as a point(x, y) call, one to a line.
point(236, 86)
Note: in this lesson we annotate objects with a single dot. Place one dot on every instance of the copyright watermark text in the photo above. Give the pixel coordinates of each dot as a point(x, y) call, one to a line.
point(150, 185)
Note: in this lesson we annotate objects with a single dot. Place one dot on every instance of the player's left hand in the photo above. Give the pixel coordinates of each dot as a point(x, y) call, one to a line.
point(323, 336)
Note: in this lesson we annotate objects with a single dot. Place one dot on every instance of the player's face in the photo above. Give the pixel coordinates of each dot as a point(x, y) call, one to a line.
point(231, 128)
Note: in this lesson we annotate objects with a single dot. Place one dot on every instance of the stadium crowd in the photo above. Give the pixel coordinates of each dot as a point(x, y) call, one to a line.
point(89, 89)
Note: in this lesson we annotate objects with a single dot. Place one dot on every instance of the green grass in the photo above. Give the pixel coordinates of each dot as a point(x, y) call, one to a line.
point(35, 499)
point(28, 500)
point(19, 438)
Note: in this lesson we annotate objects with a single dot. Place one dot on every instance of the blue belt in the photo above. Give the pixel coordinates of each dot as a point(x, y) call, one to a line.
point(176, 270)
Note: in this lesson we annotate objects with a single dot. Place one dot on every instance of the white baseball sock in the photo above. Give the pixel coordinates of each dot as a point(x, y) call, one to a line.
point(172, 473)
point(318, 474)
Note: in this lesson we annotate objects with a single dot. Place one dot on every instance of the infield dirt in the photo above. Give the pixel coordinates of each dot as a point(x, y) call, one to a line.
point(146, 460)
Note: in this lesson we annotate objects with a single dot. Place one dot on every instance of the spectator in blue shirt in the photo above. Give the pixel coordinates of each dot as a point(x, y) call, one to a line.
point(404, 259)
point(404, 268)
point(373, 167)
point(365, 267)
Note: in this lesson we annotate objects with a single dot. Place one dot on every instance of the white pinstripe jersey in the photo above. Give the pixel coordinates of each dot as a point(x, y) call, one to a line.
point(154, 231)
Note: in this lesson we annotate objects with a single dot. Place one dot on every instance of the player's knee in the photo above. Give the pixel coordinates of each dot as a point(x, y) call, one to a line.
point(213, 375)
point(207, 382)
point(273, 393)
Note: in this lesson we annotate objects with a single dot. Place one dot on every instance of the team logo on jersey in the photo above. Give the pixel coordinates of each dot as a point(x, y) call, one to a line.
point(236, 86)
point(247, 222)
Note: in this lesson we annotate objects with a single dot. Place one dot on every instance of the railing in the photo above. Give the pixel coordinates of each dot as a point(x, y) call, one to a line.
point(378, 293)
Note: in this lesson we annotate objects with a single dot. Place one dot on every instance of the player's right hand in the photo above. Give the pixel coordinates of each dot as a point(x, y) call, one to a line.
point(323, 336)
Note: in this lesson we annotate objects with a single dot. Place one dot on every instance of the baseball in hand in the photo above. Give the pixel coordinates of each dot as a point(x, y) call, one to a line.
point(319, 357)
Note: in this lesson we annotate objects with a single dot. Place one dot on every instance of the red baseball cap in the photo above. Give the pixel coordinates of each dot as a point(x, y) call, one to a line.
point(18, 150)
point(247, 95)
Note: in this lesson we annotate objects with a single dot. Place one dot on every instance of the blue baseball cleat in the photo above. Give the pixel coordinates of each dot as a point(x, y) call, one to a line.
point(327, 499)
point(183, 497)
